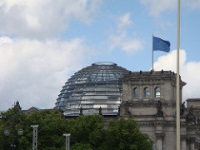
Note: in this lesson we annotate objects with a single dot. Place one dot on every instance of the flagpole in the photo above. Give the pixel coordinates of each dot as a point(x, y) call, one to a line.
point(152, 54)
point(177, 81)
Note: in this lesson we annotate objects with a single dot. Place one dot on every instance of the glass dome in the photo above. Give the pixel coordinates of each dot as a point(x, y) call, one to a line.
point(92, 89)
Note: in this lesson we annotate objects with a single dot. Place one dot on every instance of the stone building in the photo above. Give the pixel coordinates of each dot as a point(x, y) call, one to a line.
point(147, 97)
point(150, 99)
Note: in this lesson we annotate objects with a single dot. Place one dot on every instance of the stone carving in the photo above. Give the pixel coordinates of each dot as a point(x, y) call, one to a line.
point(118, 111)
point(160, 135)
point(198, 121)
point(100, 111)
point(81, 111)
point(126, 106)
point(190, 116)
point(182, 109)
point(159, 109)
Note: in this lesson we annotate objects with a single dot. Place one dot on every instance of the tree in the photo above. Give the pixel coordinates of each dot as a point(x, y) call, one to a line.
point(11, 122)
point(2, 139)
point(125, 135)
point(87, 132)
point(90, 132)
point(52, 125)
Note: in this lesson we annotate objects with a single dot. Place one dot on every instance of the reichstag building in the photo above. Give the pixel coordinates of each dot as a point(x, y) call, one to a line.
point(147, 97)
point(93, 87)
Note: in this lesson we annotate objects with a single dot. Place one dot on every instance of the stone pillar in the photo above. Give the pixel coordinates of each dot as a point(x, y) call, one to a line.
point(192, 146)
point(159, 141)
point(159, 133)
point(35, 137)
point(197, 146)
point(191, 141)
point(183, 142)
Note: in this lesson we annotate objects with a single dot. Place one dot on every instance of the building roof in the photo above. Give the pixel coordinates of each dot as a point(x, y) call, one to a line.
point(91, 89)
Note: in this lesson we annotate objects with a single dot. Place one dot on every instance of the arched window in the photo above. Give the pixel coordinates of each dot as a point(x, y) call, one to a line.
point(135, 92)
point(157, 92)
point(146, 92)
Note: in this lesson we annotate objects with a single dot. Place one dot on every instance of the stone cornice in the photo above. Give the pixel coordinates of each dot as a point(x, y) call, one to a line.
point(191, 139)
point(172, 123)
point(161, 122)
point(193, 127)
point(147, 103)
point(155, 76)
point(160, 135)
point(156, 123)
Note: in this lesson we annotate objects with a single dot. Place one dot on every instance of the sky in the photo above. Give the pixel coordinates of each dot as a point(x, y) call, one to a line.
point(43, 43)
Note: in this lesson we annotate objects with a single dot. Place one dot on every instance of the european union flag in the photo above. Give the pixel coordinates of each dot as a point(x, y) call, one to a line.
point(160, 44)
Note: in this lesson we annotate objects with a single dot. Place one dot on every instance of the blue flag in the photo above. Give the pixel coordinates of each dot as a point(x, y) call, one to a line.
point(160, 44)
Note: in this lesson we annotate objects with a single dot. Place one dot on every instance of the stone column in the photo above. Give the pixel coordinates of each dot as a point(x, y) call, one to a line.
point(197, 146)
point(159, 141)
point(191, 141)
point(159, 133)
point(183, 142)
point(192, 146)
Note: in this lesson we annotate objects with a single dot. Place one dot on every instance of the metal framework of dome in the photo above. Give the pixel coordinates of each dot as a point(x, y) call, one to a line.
point(92, 89)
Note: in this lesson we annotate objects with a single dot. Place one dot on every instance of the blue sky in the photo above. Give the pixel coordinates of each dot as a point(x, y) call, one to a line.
point(42, 43)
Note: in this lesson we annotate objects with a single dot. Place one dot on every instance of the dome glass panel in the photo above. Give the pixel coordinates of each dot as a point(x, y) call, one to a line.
point(91, 88)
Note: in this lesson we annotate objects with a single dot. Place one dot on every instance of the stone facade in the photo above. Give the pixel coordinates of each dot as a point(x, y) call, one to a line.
point(150, 99)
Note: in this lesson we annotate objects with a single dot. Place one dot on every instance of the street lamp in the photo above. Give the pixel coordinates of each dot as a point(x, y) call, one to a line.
point(16, 114)
point(67, 141)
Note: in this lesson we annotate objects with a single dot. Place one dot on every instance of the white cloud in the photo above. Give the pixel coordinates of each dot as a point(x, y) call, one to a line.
point(125, 43)
point(33, 72)
point(159, 6)
point(124, 21)
point(189, 72)
point(168, 61)
point(193, 4)
point(121, 39)
point(156, 7)
point(34, 65)
point(41, 19)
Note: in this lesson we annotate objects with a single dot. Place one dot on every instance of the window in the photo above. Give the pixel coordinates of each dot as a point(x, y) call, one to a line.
point(135, 92)
point(146, 92)
point(157, 92)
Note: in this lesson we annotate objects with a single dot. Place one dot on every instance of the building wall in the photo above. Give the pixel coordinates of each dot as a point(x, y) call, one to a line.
point(156, 115)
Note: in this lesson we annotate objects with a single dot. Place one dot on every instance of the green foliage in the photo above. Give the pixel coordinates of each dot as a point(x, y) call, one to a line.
point(87, 133)
point(11, 121)
point(84, 127)
point(51, 128)
point(125, 135)
point(81, 146)
point(51, 123)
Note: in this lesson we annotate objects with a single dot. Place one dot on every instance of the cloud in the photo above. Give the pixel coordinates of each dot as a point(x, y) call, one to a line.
point(43, 19)
point(193, 4)
point(34, 64)
point(168, 61)
point(189, 72)
point(121, 39)
point(156, 7)
point(33, 72)
point(124, 21)
point(125, 43)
